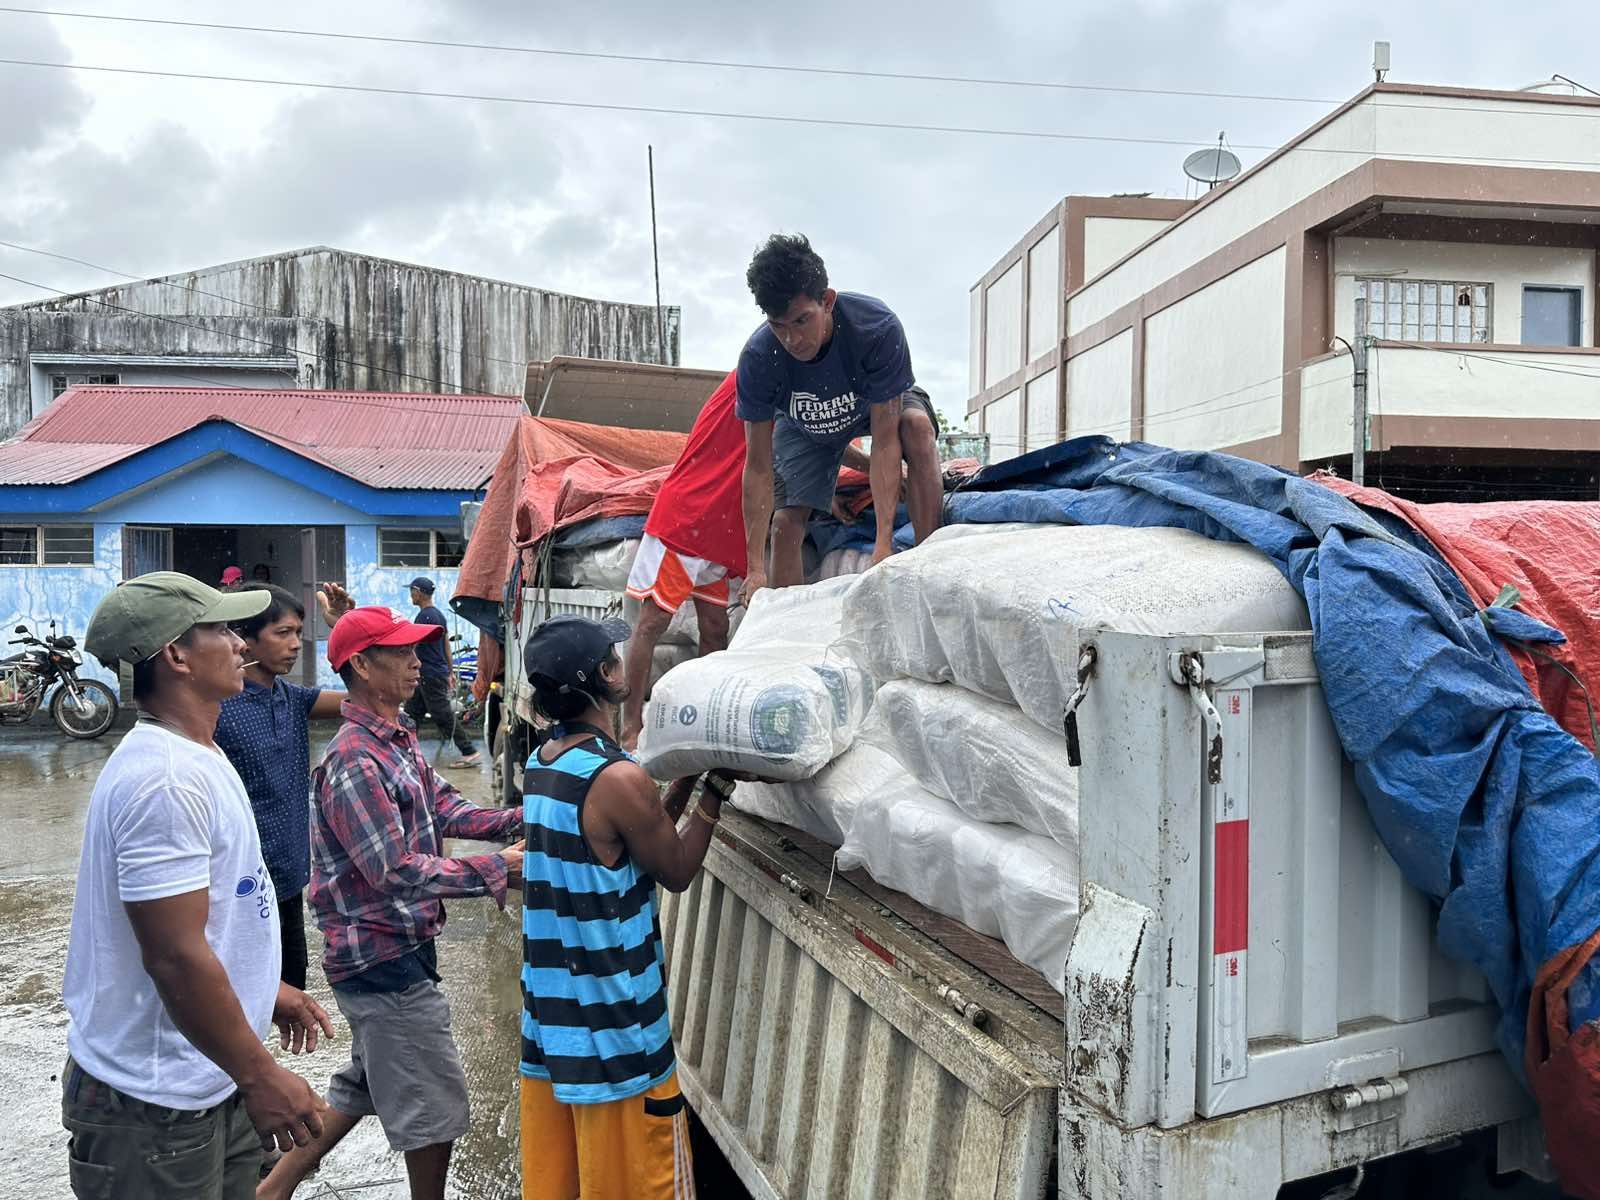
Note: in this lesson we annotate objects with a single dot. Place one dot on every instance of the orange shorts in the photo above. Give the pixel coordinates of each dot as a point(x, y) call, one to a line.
point(634, 1149)
point(669, 579)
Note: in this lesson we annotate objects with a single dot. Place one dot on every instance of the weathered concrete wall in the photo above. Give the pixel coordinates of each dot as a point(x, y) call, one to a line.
point(356, 322)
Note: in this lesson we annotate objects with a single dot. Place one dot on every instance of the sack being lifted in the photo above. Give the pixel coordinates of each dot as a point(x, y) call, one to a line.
point(781, 702)
point(1000, 615)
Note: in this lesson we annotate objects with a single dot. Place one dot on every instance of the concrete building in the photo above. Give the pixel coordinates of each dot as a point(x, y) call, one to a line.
point(316, 318)
point(1468, 220)
point(359, 488)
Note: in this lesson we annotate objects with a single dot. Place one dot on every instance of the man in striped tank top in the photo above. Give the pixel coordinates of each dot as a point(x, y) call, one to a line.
point(602, 1116)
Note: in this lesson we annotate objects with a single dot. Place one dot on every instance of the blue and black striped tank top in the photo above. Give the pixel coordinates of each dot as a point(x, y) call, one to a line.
point(594, 1003)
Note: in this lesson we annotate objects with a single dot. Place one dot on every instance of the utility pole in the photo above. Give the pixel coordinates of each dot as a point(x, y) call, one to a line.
point(1358, 353)
point(655, 258)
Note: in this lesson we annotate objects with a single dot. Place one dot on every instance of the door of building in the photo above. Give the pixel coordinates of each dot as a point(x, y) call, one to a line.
point(321, 561)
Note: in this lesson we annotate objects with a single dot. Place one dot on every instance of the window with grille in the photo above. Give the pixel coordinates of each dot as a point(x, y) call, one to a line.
point(405, 547)
point(1426, 310)
point(47, 545)
point(447, 550)
point(60, 383)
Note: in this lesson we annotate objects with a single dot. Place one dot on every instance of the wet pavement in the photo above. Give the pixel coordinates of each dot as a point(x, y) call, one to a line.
point(45, 781)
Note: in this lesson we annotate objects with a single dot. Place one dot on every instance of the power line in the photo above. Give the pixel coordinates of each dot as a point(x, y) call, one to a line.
point(669, 60)
point(771, 118)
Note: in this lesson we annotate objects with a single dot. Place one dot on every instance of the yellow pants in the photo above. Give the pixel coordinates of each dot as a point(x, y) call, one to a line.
point(634, 1149)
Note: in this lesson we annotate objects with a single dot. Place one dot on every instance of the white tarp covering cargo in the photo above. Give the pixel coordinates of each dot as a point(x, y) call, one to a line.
point(1000, 615)
point(781, 702)
point(985, 757)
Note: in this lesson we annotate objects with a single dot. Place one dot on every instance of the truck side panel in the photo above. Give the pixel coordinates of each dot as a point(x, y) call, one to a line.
point(822, 1073)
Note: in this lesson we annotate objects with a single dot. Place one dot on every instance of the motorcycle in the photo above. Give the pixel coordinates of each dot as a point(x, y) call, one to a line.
point(81, 708)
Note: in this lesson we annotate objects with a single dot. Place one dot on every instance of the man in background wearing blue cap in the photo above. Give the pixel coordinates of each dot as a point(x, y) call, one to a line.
point(602, 1115)
point(433, 691)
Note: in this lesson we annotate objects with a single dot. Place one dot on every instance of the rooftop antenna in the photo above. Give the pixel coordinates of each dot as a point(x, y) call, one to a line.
point(1213, 165)
point(1380, 60)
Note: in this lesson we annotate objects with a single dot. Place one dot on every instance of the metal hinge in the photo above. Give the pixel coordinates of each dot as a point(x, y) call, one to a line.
point(1348, 1099)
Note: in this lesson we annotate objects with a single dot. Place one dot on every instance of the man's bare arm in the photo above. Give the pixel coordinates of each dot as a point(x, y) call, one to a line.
point(194, 989)
point(885, 474)
point(624, 810)
point(757, 503)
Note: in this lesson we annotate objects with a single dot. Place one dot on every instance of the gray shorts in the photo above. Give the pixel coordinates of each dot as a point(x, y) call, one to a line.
point(403, 1066)
point(805, 472)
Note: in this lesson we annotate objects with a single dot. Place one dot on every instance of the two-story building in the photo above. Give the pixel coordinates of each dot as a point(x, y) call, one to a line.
point(1469, 223)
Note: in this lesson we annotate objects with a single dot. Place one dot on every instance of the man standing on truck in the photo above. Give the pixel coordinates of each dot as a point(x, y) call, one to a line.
point(825, 368)
point(693, 546)
point(602, 1115)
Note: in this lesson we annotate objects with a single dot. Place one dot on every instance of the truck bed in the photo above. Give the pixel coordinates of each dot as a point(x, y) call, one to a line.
point(839, 1039)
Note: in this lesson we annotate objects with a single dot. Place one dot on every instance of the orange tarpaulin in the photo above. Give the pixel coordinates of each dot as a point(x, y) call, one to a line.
point(1549, 551)
point(539, 441)
point(551, 474)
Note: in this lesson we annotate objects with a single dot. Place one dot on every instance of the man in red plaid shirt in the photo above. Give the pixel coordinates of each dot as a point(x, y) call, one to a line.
point(377, 881)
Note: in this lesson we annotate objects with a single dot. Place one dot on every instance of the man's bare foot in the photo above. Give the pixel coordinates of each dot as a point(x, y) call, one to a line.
point(629, 740)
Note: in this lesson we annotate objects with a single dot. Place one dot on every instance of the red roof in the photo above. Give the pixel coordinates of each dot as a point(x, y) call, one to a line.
point(382, 439)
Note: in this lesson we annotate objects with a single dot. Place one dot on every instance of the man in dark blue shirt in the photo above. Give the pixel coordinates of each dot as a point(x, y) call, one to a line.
point(826, 368)
point(263, 732)
point(433, 689)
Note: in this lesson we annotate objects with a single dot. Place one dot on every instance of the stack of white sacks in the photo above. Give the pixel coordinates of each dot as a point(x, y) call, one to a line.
point(950, 783)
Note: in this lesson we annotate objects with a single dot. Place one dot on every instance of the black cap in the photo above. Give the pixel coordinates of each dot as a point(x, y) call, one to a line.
point(563, 654)
point(423, 584)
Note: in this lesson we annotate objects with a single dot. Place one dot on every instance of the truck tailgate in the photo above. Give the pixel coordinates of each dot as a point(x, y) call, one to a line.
point(834, 1050)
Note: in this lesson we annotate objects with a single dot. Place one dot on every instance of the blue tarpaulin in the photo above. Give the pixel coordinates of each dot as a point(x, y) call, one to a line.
point(1485, 802)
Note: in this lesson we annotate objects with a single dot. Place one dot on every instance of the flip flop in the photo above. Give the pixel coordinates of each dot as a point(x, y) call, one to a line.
point(475, 760)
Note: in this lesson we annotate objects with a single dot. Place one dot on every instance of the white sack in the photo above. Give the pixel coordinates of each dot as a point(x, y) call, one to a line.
point(985, 757)
point(604, 566)
point(842, 562)
point(824, 804)
point(996, 879)
point(781, 702)
point(1000, 615)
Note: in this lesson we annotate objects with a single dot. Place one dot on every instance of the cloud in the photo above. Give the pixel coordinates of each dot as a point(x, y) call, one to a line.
point(558, 197)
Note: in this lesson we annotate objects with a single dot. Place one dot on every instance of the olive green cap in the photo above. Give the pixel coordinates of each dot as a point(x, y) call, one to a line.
point(143, 616)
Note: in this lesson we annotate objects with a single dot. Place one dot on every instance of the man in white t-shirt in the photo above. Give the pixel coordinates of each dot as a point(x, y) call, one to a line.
point(172, 969)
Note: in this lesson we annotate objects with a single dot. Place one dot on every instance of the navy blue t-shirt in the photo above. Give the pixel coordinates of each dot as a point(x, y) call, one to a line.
point(435, 662)
point(866, 362)
point(263, 732)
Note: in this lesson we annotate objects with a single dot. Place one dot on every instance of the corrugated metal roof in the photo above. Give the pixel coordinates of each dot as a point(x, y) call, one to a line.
point(382, 439)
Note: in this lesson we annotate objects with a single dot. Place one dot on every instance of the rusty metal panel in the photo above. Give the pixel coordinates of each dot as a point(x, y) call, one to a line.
point(822, 1072)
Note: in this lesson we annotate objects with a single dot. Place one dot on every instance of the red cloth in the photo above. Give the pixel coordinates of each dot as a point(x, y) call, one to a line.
point(492, 551)
point(1564, 1072)
point(700, 508)
point(1549, 550)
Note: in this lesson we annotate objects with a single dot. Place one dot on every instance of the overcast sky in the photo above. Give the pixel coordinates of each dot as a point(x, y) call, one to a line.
point(155, 175)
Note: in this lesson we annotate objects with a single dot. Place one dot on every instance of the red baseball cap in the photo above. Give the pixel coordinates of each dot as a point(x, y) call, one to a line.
point(362, 628)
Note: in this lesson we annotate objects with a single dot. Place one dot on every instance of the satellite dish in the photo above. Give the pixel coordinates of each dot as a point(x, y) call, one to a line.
point(1212, 166)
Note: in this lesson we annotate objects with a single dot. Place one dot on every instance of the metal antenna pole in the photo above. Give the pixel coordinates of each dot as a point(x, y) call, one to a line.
point(655, 257)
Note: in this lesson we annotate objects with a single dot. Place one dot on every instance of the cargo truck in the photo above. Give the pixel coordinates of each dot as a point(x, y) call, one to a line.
point(1253, 994)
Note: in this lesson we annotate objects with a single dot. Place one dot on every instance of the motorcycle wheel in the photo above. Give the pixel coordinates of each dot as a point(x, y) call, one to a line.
point(101, 716)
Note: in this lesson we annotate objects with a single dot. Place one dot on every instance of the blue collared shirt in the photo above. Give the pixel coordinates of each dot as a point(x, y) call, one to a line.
point(264, 734)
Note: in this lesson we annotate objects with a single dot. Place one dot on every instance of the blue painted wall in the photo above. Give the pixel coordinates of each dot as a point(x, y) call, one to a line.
point(369, 583)
point(32, 596)
point(229, 491)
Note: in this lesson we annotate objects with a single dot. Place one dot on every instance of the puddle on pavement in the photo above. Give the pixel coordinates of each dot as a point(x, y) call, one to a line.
point(45, 782)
